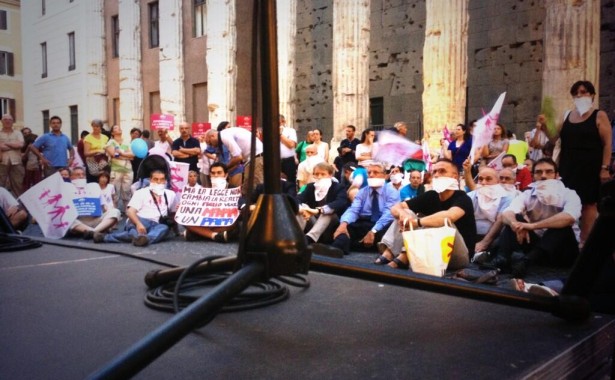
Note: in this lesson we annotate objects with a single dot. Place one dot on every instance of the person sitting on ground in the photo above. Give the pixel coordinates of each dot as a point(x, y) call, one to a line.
point(396, 177)
point(219, 176)
point(321, 204)
point(489, 200)
point(414, 188)
point(368, 217)
point(87, 226)
point(193, 177)
point(306, 168)
point(522, 175)
point(346, 151)
point(150, 212)
point(431, 209)
point(497, 145)
point(508, 181)
point(364, 150)
point(539, 224)
point(13, 210)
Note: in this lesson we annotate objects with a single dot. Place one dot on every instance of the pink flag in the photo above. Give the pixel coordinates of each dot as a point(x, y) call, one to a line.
point(427, 155)
point(52, 207)
point(447, 134)
point(179, 175)
point(393, 148)
point(496, 163)
point(483, 131)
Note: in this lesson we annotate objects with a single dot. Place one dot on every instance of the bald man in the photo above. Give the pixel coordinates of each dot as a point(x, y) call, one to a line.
point(186, 148)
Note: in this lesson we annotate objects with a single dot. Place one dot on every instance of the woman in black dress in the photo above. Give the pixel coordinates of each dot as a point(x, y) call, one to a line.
point(585, 152)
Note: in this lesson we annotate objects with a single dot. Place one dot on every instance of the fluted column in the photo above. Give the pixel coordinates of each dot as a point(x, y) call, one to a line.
point(96, 101)
point(572, 49)
point(131, 87)
point(351, 32)
point(287, 30)
point(445, 66)
point(171, 60)
point(221, 64)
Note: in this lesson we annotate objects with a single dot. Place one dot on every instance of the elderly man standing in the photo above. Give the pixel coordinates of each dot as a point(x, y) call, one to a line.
point(11, 167)
point(51, 148)
point(186, 148)
point(366, 220)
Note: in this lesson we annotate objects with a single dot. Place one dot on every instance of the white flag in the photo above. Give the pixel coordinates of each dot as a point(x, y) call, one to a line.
point(483, 131)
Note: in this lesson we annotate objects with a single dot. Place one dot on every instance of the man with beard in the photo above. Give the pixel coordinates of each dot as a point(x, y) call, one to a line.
point(431, 209)
point(539, 224)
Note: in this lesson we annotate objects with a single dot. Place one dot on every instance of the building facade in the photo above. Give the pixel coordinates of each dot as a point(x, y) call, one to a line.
point(123, 60)
point(11, 88)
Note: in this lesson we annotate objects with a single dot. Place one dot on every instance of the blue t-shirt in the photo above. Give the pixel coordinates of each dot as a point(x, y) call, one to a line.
point(408, 192)
point(54, 148)
point(459, 154)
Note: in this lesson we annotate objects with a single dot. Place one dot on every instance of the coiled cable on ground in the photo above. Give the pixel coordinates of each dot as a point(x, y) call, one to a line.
point(177, 295)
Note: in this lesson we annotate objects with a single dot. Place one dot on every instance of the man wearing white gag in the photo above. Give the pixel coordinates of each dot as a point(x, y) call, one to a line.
point(431, 209)
point(146, 212)
point(545, 233)
point(489, 200)
point(321, 205)
point(368, 217)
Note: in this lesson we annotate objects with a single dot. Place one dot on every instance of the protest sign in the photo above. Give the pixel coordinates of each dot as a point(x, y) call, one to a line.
point(199, 129)
point(179, 175)
point(208, 207)
point(162, 121)
point(51, 206)
point(244, 122)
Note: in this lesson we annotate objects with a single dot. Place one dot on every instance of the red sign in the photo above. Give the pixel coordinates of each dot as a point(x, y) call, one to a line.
point(199, 129)
point(245, 122)
point(162, 121)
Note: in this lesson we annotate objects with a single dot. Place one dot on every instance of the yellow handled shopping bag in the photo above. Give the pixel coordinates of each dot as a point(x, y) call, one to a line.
point(429, 249)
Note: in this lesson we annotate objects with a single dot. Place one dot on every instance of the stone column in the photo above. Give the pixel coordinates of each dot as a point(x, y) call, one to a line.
point(572, 50)
point(351, 32)
point(131, 88)
point(221, 64)
point(445, 66)
point(287, 30)
point(171, 60)
point(95, 64)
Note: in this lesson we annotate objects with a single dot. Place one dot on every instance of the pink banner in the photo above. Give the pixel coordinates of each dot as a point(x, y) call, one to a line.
point(162, 121)
point(199, 129)
point(245, 122)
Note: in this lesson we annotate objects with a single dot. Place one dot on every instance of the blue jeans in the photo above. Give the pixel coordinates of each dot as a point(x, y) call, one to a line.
point(155, 232)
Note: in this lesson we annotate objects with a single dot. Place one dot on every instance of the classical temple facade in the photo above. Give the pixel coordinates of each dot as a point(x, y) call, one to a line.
point(430, 63)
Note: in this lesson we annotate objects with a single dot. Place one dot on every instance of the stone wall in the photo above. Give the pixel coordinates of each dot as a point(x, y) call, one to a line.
point(313, 79)
point(505, 53)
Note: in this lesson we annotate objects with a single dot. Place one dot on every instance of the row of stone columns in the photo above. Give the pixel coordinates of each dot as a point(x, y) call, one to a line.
point(571, 53)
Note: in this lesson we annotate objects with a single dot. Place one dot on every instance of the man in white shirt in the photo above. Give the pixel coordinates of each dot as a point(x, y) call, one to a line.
point(288, 143)
point(238, 142)
point(150, 213)
point(539, 224)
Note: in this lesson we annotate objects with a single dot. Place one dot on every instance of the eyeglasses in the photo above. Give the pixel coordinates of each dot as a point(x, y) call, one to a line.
point(546, 171)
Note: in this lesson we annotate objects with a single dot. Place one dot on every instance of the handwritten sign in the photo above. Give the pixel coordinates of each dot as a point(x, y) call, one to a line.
point(51, 206)
point(162, 121)
point(208, 207)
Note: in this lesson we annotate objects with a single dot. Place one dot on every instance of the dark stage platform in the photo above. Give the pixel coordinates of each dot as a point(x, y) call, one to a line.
point(65, 312)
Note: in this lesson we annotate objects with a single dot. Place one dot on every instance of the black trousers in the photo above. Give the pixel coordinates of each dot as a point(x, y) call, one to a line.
point(557, 246)
point(357, 231)
point(289, 168)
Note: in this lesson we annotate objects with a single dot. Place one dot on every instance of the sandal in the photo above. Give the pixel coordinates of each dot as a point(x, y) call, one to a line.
point(399, 264)
point(382, 260)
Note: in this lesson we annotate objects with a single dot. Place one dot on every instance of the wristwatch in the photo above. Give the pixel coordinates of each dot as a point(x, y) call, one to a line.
point(373, 231)
point(605, 167)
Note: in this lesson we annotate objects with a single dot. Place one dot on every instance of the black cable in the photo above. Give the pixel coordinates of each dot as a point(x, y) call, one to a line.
point(174, 296)
point(10, 243)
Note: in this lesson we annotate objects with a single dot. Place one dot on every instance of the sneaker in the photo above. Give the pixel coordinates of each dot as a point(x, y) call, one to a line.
point(190, 236)
point(541, 290)
point(98, 237)
point(140, 241)
point(88, 235)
